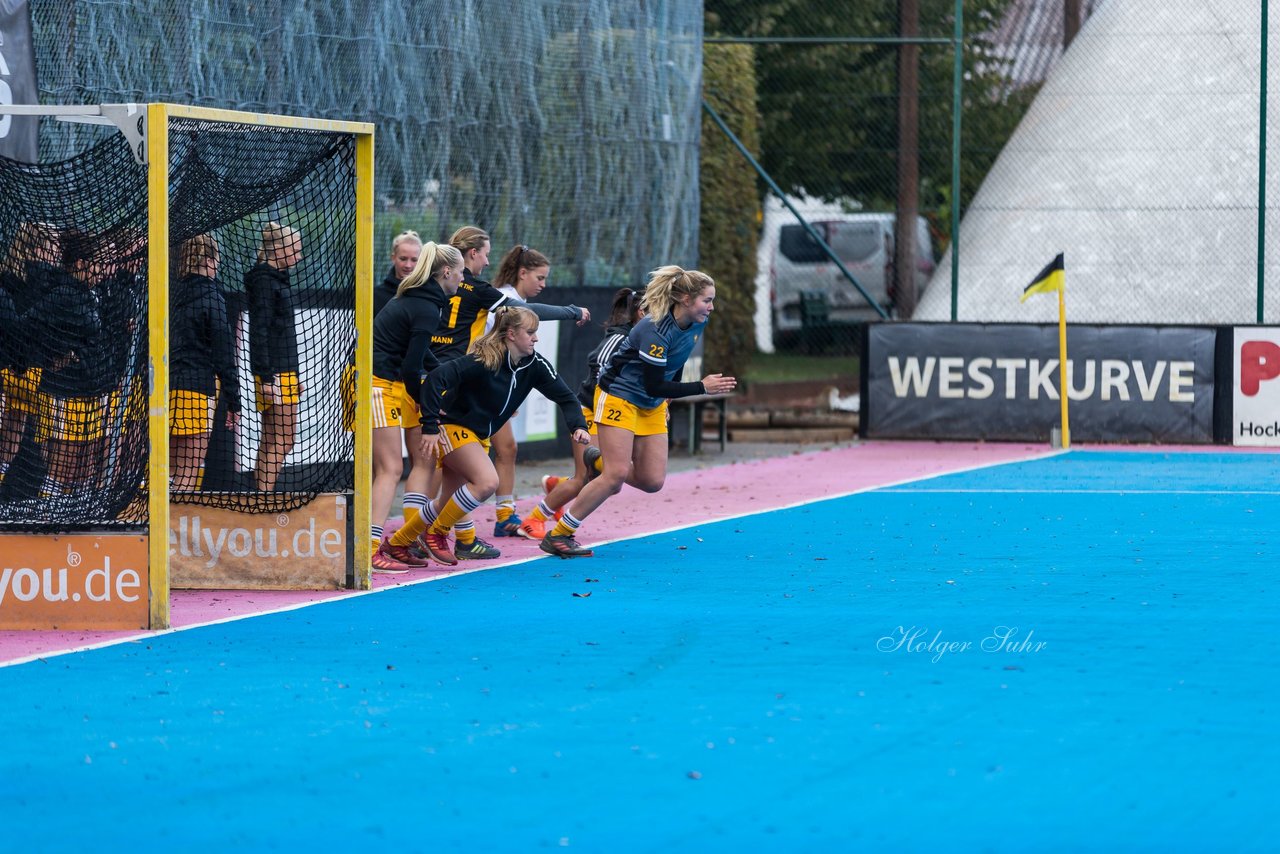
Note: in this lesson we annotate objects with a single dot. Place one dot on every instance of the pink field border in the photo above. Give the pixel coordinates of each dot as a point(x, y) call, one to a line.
point(688, 498)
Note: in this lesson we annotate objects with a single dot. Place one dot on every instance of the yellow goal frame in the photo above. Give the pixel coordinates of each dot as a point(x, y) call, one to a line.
point(153, 125)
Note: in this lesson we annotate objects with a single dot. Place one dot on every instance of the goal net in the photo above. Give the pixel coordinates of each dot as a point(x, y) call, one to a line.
point(178, 321)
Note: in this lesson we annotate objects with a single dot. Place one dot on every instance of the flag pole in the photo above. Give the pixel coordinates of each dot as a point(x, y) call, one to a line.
point(1064, 388)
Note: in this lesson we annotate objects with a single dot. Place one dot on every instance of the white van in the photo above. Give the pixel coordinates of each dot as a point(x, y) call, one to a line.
point(798, 266)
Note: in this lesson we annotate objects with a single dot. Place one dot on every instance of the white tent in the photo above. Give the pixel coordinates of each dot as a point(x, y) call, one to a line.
point(1139, 160)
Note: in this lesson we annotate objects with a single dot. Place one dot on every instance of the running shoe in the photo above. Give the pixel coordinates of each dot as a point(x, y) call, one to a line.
point(565, 547)
point(438, 545)
point(508, 528)
point(533, 529)
point(384, 564)
point(404, 554)
point(479, 550)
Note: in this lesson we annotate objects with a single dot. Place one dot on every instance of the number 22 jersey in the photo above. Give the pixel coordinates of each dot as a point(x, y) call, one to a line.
point(663, 344)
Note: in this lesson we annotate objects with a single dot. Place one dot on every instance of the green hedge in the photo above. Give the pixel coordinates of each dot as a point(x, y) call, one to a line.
point(729, 223)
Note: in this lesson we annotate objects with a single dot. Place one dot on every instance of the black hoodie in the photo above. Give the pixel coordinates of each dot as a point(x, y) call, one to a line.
point(472, 396)
point(201, 347)
point(598, 358)
point(273, 334)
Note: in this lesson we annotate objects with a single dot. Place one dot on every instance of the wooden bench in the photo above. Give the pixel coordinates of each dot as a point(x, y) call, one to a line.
point(695, 406)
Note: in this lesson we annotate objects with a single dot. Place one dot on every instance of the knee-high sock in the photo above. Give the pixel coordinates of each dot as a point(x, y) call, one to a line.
point(460, 504)
point(422, 517)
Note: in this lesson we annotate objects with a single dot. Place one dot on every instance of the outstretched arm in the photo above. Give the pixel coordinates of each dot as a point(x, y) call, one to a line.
point(657, 385)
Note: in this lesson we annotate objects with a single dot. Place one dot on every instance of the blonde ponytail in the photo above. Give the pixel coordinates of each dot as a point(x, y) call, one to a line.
point(668, 284)
point(433, 258)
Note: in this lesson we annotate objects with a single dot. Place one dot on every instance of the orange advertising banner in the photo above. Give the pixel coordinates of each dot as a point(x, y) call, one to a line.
point(217, 548)
point(74, 581)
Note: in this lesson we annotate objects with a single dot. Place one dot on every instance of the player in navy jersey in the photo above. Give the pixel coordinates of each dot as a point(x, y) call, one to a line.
point(202, 361)
point(631, 398)
point(624, 314)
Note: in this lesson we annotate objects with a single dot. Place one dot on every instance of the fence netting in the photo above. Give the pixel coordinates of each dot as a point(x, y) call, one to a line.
point(569, 126)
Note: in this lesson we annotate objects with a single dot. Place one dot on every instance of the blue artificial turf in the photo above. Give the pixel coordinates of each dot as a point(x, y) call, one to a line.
point(743, 683)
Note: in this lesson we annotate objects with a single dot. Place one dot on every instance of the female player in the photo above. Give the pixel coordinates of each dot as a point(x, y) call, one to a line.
point(201, 361)
point(466, 320)
point(402, 334)
point(469, 398)
point(273, 349)
point(522, 276)
point(66, 334)
point(631, 401)
point(624, 314)
point(27, 273)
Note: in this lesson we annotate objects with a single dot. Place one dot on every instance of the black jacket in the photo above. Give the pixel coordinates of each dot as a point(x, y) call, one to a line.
point(465, 392)
point(273, 332)
point(201, 345)
point(598, 358)
point(64, 334)
point(8, 328)
point(470, 308)
point(385, 291)
point(403, 333)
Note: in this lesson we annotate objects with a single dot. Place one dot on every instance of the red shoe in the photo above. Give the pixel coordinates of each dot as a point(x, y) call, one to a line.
point(384, 564)
point(533, 529)
point(404, 554)
point(438, 545)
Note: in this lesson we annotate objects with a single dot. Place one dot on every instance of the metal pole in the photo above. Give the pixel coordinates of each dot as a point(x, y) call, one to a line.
point(958, 76)
point(1262, 165)
point(904, 267)
point(742, 149)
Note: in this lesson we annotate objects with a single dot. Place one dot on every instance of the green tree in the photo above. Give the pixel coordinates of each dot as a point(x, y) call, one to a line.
point(729, 226)
point(828, 112)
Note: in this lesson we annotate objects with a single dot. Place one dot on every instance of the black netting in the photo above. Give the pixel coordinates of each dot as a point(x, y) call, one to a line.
point(73, 419)
point(266, 331)
point(279, 205)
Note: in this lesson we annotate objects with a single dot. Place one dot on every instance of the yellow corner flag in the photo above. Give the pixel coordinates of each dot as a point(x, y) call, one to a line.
point(1050, 279)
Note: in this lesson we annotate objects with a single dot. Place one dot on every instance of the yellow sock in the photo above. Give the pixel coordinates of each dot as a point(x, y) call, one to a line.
point(409, 531)
point(460, 504)
point(566, 527)
point(466, 532)
point(536, 513)
point(505, 509)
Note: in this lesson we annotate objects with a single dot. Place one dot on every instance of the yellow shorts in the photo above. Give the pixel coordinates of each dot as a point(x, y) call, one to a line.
point(386, 401)
point(288, 390)
point(613, 411)
point(453, 437)
point(20, 390)
point(190, 413)
point(591, 420)
point(73, 419)
point(410, 415)
point(133, 407)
